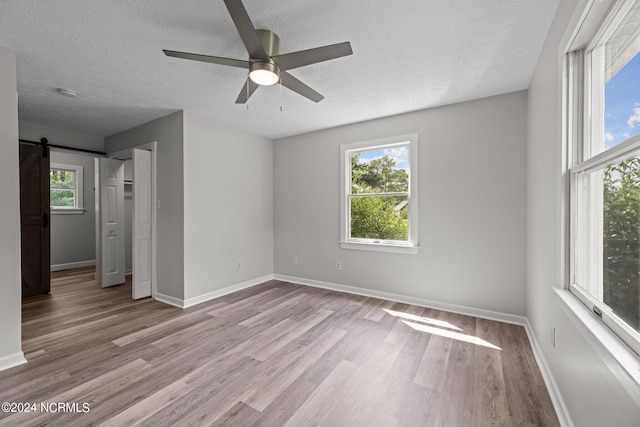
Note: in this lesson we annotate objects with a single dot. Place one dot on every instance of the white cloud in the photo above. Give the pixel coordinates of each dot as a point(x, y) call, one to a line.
point(608, 137)
point(635, 118)
point(367, 161)
point(400, 155)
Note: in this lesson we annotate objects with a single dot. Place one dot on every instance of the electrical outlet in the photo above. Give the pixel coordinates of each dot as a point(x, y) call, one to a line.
point(239, 265)
point(295, 260)
point(338, 265)
point(553, 337)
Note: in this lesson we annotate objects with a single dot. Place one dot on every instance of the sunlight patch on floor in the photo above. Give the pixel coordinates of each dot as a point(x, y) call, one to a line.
point(413, 317)
point(450, 334)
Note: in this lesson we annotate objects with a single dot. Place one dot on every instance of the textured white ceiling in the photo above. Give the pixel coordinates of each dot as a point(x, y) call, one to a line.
point(408, 55)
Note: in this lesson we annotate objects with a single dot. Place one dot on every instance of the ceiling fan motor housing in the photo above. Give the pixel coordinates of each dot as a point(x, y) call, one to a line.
point(270, 41)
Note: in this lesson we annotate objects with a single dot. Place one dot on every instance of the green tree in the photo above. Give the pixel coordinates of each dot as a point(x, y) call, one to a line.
point(378, 217)
point(357, 171)
point(59, 178)
point(621, 242)
point(375, 218)
point(61, 185)
point(381, 175)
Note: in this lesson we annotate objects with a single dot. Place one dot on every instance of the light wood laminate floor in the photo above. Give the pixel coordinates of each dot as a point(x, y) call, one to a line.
point(275, 354)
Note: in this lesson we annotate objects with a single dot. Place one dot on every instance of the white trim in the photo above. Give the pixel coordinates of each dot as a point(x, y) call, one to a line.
point(182, 303)
point(585, 22)
point(422, 302)
point(12, 360)
point(346, 242)
point(168, 299)
point(559, 405)
point(615, 354)
point(611, 156)
point(608, 317)
point(225, 291)
point(70, 265)
point(78, 189)
point(380, 247)
point(55, 210)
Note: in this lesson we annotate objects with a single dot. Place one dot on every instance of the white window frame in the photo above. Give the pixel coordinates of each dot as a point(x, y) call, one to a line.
point(346, 242)
point(78, 182)
point(583, 112)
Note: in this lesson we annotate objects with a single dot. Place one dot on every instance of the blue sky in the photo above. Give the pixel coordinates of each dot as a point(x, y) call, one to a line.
point(622, 104)
point(399, 154)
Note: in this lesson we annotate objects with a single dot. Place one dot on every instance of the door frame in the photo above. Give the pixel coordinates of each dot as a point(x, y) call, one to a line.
point(127, 154)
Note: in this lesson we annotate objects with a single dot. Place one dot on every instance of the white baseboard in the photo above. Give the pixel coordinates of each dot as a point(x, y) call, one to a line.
point(225, 291)
point(453, 308)
point(168, 299)
point(190, 302)
point(12, 360)
point(70, 265)
point(552, 387)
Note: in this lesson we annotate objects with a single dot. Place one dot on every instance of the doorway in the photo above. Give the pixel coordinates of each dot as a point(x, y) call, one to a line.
point(126, 219)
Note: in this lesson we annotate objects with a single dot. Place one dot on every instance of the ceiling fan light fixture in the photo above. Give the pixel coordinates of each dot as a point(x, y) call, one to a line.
point(264, 73)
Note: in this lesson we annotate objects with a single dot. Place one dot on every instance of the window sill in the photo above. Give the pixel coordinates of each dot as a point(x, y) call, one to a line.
point(72, 211)
point(618, 357)
point(380, 247)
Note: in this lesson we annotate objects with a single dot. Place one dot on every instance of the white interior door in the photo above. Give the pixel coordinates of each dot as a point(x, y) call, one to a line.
point(142, 212)
point(110, 218)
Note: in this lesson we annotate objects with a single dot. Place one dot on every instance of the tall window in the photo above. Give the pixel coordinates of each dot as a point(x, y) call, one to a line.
point(604, 85)
point(65, 185)
point(379, 195)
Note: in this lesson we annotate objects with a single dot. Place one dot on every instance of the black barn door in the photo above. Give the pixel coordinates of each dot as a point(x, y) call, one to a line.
point(34, 220)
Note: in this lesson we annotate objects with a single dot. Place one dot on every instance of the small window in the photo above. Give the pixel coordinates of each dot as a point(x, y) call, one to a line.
point(65, 185)
point(379, 195)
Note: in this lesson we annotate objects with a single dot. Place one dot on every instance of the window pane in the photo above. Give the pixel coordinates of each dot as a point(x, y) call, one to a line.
point(622, 81)
point(62, 198)
point(380, 217)
point(621, 243)
point(59, 178)
point(380, 171)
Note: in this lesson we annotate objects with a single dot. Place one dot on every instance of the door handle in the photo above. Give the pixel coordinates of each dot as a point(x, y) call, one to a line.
point(45, 220)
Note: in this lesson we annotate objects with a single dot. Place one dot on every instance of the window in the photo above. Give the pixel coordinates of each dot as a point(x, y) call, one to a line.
point(603, 80)
point(379, 201)
point(65, 185)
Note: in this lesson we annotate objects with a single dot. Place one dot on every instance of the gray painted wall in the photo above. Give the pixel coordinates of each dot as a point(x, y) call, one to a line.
point(73, 237)
point(592, 394)
point(168, 132)
point(10, 285)
point(471, 207)
point(228, 202)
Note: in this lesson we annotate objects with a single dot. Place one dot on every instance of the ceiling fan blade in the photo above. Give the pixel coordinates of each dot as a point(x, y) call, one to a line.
point(246, 92)
point(290, 82)
point(246, 30)
point(206, 58)
point(289, 61)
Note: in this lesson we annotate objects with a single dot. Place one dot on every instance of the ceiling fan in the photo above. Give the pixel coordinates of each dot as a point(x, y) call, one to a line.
point(266, 65)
